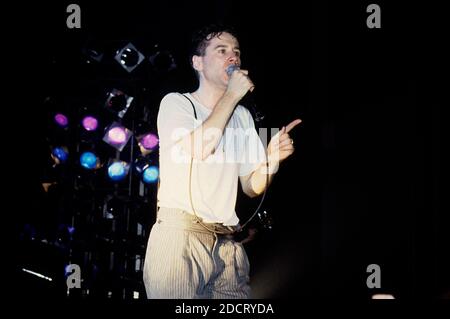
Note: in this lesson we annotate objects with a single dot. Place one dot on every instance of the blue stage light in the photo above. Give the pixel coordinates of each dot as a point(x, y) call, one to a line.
point(118, 171)
point(61, 153)
point(150, 174)
point(88, 160)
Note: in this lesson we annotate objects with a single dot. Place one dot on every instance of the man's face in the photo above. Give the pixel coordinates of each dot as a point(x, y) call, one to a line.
point(219, 54)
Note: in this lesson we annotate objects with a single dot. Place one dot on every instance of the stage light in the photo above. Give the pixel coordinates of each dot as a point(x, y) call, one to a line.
point(61, 153)
point(89, 123)
point(129, 57)
point(36, 274)
point(117, 136)
point(162, 61)
point(118, 102)
point(149, 141)
point(141, 163)
point(61, 120)
point(89, 160)
point(118, 170)
point(150, 174)
point(383, 296)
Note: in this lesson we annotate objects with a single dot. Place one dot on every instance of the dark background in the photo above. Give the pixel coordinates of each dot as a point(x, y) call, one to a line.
point(363, 186)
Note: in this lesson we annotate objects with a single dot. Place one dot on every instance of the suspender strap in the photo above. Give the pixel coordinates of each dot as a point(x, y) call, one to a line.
point(193, 107)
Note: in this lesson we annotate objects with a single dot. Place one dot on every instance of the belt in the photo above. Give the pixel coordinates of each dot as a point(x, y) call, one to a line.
point(181, 219)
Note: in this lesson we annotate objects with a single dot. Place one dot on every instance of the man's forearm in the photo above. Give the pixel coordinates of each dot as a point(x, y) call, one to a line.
point(204, 139)
point(262, 177)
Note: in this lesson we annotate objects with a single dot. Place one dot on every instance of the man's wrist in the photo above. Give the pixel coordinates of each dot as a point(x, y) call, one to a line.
point(231, 98)
point(270, 167)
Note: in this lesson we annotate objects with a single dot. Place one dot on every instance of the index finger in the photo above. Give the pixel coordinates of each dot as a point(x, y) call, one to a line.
point(293, 124)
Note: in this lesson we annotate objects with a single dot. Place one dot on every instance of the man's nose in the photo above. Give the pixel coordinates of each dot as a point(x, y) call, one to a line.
point(233, 57)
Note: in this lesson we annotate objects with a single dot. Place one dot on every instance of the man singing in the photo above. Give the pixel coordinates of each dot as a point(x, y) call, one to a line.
point(191, 252)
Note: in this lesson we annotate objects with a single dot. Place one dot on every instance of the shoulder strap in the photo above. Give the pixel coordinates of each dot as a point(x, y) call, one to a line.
point(195, 113)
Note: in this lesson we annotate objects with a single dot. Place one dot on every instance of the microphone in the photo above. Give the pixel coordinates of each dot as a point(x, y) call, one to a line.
point(231, 68)
point(257, 114)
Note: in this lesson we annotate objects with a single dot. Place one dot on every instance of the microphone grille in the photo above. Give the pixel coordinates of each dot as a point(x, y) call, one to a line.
point(231, 68)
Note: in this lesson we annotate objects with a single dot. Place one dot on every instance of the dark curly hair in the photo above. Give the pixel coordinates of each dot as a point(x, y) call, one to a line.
point(201, 38)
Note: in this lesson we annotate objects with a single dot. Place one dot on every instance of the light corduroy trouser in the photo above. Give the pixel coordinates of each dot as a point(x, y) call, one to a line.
point(186, 261)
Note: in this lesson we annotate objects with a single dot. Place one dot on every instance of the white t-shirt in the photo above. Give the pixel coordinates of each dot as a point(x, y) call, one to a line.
point(215, 179)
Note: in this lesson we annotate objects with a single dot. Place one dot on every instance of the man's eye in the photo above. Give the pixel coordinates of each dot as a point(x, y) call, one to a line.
point(222, 51)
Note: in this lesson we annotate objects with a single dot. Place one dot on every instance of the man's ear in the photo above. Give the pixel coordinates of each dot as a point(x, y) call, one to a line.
point(197, 63)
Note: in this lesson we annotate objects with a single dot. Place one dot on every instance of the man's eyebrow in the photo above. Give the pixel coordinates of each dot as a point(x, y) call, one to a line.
point(225, 46)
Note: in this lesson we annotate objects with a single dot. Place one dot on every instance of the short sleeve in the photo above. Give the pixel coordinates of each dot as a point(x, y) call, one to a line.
point(175, 119)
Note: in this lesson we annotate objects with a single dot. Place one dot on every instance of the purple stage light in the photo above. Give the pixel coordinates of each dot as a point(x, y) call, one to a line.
point(149, 141)
point(61, 120)
point(117, 135)
point(90, 123)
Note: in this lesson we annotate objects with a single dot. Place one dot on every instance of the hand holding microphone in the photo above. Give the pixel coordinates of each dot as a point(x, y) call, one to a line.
point(239, 83)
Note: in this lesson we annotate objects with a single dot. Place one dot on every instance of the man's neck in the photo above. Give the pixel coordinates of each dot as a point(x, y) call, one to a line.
point(208, 96)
